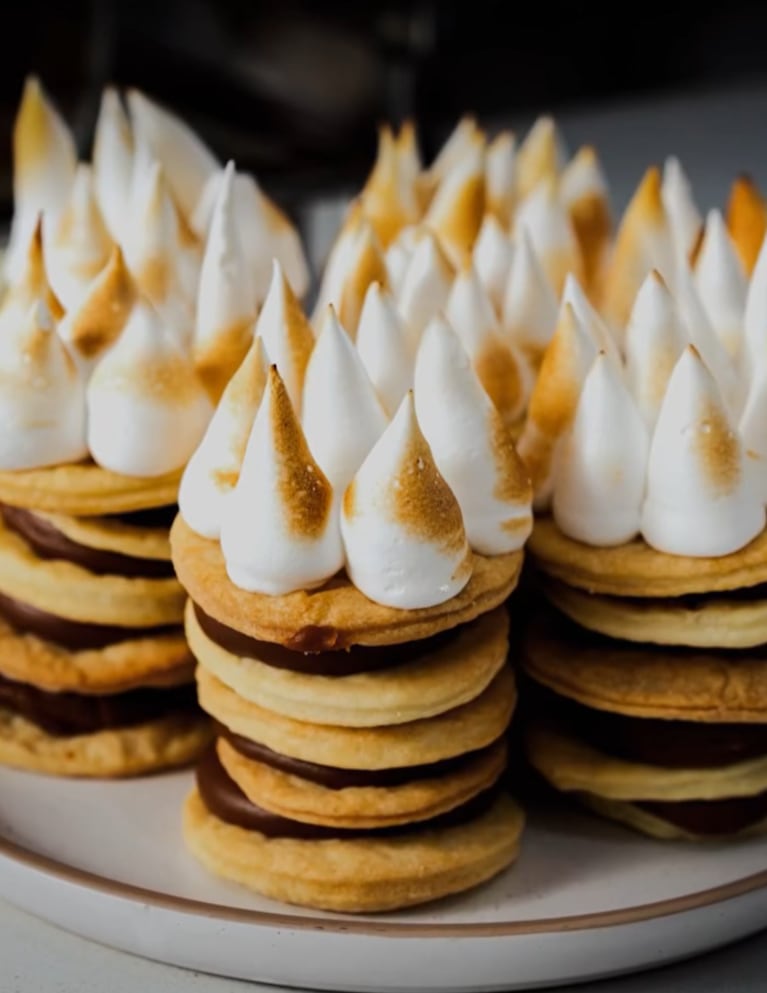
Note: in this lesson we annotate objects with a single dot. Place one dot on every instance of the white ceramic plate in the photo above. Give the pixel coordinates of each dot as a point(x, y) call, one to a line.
point(585, 900)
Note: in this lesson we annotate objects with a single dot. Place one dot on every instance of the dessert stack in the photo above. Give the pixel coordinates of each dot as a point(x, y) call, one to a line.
point(347, 564)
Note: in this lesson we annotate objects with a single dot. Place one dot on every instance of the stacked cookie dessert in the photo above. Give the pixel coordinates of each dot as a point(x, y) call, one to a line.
point(346, 579)
point(649, 697)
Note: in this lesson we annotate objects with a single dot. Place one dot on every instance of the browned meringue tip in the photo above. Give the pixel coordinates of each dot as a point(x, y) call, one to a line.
point(30, 124)
point(34, 282)
point(407, 139)
point(537, 155)
point(105, 309)
point(647, 199)
point(746, 220)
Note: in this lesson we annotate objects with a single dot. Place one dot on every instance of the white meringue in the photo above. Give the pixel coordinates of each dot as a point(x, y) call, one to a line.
point(755, 316)
point(753, 420)
point(225, 310)
point(397, 259)
point(30, 286)
point(461, 141)
point(401, 524)
point(214, 468)
point(356, 262)
point(492, 257)
point(540, 156)
point(602, 464)
point(471, 445)
point(551, 232)
point(113, 163)
point(147, 409)
point(682, 211)
point(42, 398)
point(279, 533)
point(425, 287)
point(655, 338)
point(287, 334)
point(584, 193)
point(501, 177)
point(582, 178)
point(530, 304)
point(44, 161)
point(721, 283)
point(341, 415)
point(703, 498)
point(382, 346)
point(590, 320)
point(455, 213)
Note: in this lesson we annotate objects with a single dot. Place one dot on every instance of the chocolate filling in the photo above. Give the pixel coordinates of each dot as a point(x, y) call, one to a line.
point(74, 635)
point(49, 543)
point(66, 714)
point(340, 779)
point(670, 744)
point(225, 800)
point(313, 660)
point(710, 817)
point(155, 518)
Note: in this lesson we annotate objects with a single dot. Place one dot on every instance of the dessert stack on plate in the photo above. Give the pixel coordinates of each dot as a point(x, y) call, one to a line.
point(649, 698)
point(347, 563)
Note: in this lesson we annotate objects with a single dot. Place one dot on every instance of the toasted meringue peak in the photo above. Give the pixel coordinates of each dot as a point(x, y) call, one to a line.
point(44, 161)
point(186, 159)
point(147, 409)
point(42, 399)
point(755, 315)
point(462, 141)
point(214, 468)
point(406, 143)
point(681, 209)
point(747, 220)
point(382, 347)
point(601, 469)
point(425, 287)
point(30, 285)
point(113, 162)
point(644, 242)
point(225, 311)
point(721, 283)
point(530, 304)
point(544, 216)
point(492, 259)
point(590, 320)
point(539, 157)
point(455, 214)
point(703, 498)
point(397, 258)
point(389, 198)
point(77, 243)
point(655, 338)
point(584, 193)
point(99, 317)
point(279, 532)
point(471, 445)
point(565, 366)
point(501, 177)
point(358, 263)
point(342, 417)
point(287, 334)
point(401, 523)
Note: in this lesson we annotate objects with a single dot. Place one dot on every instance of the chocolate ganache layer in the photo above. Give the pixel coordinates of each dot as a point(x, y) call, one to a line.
point(710, 817)
point(341, 662)
point(74, 635)
point(49, 543)
point(670, 744)
point(154, 518)
point(333, 778)
point(68, 714)
point(225, 800)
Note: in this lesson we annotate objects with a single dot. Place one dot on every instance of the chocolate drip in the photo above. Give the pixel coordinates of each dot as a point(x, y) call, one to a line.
point(49, 543)
point(710, 817)
point(159, 518)
point(67, 714)
point(74, 635)
point(333, 778)
point(341, 662)
point(225, 800)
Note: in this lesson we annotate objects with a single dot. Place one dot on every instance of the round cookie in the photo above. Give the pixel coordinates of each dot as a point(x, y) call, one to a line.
point(86, 489)
point(112, 535)
point(337, 614)
point(360, 807)
point(160, 744)
point(647, 823)
point(358, 875)
point(447, 678)
point(637, 570)
point(717, 621)
point(638, 681)
point(465, 729)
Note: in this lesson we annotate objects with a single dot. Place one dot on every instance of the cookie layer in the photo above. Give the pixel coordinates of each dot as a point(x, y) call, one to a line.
point(111, 534)
point(359, 875)
point(336, 615)
point(464, 729)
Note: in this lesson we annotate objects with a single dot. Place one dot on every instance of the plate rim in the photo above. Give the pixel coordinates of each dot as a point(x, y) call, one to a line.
point(367, 926)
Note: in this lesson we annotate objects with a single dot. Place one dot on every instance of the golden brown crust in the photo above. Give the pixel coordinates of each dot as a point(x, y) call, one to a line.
point(162, 744)
point(447, 678)
point(112, 535)
point(357, 875)
point(636, 569)
point(466, 729)
point(338, 606)
point(85, 488)
point(360, 807)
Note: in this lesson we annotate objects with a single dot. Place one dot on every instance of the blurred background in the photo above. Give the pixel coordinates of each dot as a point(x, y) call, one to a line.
point(294, 90)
